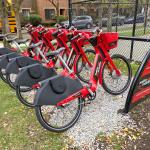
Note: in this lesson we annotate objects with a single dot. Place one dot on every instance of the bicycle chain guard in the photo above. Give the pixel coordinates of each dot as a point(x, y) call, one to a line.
point(5, 59)
point(4, 51)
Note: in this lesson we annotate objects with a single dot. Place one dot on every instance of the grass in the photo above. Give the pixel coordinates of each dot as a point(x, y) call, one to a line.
point(137, 32)
point(134, 66)
point(19, 128)
point(118, 140)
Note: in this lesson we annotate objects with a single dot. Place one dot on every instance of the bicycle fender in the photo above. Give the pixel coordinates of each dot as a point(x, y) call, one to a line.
point(4, 51)
point(15, 64)
point(5, 59)
point(56, 89)
point(33, 74)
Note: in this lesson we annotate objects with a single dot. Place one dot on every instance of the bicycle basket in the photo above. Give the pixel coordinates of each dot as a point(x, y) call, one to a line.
point(109, 40)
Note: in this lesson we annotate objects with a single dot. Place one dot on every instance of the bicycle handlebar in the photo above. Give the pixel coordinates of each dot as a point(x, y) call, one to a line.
point(72, 28)
point(97, 30)
point(77, 36)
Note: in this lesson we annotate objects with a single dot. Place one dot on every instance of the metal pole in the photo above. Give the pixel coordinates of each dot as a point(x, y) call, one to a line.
point(70, 12)
point(134, 28)
point(117, 15)
point(145, 19)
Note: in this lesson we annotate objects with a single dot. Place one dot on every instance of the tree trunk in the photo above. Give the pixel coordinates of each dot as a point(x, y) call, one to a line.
point(100, 12)
point(109, 22)
point(18, 23)
point(145, 14)
point(5, 23)
point(16, 7)
point(57, 11)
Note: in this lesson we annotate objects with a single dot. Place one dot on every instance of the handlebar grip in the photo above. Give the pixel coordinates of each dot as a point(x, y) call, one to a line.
point(72, 28)
point(75, 37)
point(39, 26)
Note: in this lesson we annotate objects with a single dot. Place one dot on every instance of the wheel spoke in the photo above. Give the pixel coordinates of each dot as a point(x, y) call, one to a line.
point(62, 116)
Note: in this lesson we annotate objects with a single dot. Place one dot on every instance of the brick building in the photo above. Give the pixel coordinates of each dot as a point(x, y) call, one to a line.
point(44, 8)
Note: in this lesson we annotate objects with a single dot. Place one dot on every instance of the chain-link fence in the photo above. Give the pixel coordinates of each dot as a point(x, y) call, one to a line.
point(122, 15)
point(135, 53)
point(128, 18)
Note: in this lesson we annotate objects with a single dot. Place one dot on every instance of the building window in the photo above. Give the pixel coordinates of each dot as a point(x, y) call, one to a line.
point(74, 12)
point(81, 12)
point(49, 14)
point(62, 12)
point(26, 12)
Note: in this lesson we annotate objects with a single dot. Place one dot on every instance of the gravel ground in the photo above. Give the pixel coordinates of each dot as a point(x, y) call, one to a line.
point(100, 116)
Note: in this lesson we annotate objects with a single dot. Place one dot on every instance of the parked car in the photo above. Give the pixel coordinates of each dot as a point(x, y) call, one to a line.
point(80, 22)
point(129, 20)
point(139, 19)
point(116, 19)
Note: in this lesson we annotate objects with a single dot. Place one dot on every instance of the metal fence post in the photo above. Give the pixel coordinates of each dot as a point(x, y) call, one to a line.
point(117, 15)
point(134, 28)
point(145, 19)
point(70, 12)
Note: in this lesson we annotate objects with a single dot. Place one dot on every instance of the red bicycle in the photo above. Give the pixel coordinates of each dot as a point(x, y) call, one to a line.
point(59, 101)
point(74, 55)
point(16, 51)
point(34, 51)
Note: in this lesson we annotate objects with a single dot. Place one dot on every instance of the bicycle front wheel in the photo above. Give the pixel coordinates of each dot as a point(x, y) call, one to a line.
point(83, 70)
point(112, 83)
point(59, 119)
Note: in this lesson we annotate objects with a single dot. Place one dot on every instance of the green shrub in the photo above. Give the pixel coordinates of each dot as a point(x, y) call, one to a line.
point(49, 24)
point(35, 19)
point(60, 18)
point(24, 20)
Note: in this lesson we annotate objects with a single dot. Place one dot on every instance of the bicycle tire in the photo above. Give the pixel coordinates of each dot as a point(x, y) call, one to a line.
point(77, 66)
point(21, 98)
point(45, 125)
point(106, 88)
point(2, 76)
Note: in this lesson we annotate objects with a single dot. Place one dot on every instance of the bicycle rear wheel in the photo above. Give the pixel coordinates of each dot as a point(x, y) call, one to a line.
point(11, 80)
point(83, 70)
point(59, 119)
point(3, 75)
point(26, 95)
point(112, 83)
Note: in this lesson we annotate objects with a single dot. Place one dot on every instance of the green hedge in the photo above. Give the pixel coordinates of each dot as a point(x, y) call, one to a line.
point(60, 18)
point(34, 19)
point(48, 24)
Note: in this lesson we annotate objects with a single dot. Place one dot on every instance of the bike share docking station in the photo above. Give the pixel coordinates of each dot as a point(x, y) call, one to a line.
point(140, 87)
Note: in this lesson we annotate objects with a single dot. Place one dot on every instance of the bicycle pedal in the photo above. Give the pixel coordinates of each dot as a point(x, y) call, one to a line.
point(87, 103)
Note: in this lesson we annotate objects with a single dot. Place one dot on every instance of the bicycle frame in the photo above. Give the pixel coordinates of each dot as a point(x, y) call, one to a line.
point(102, 56)
point(77, 50)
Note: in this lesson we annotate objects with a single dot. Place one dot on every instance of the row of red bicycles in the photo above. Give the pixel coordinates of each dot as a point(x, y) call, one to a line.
point(58, 70)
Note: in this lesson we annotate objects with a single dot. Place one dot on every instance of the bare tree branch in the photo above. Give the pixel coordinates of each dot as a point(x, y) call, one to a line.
point(53, 3)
